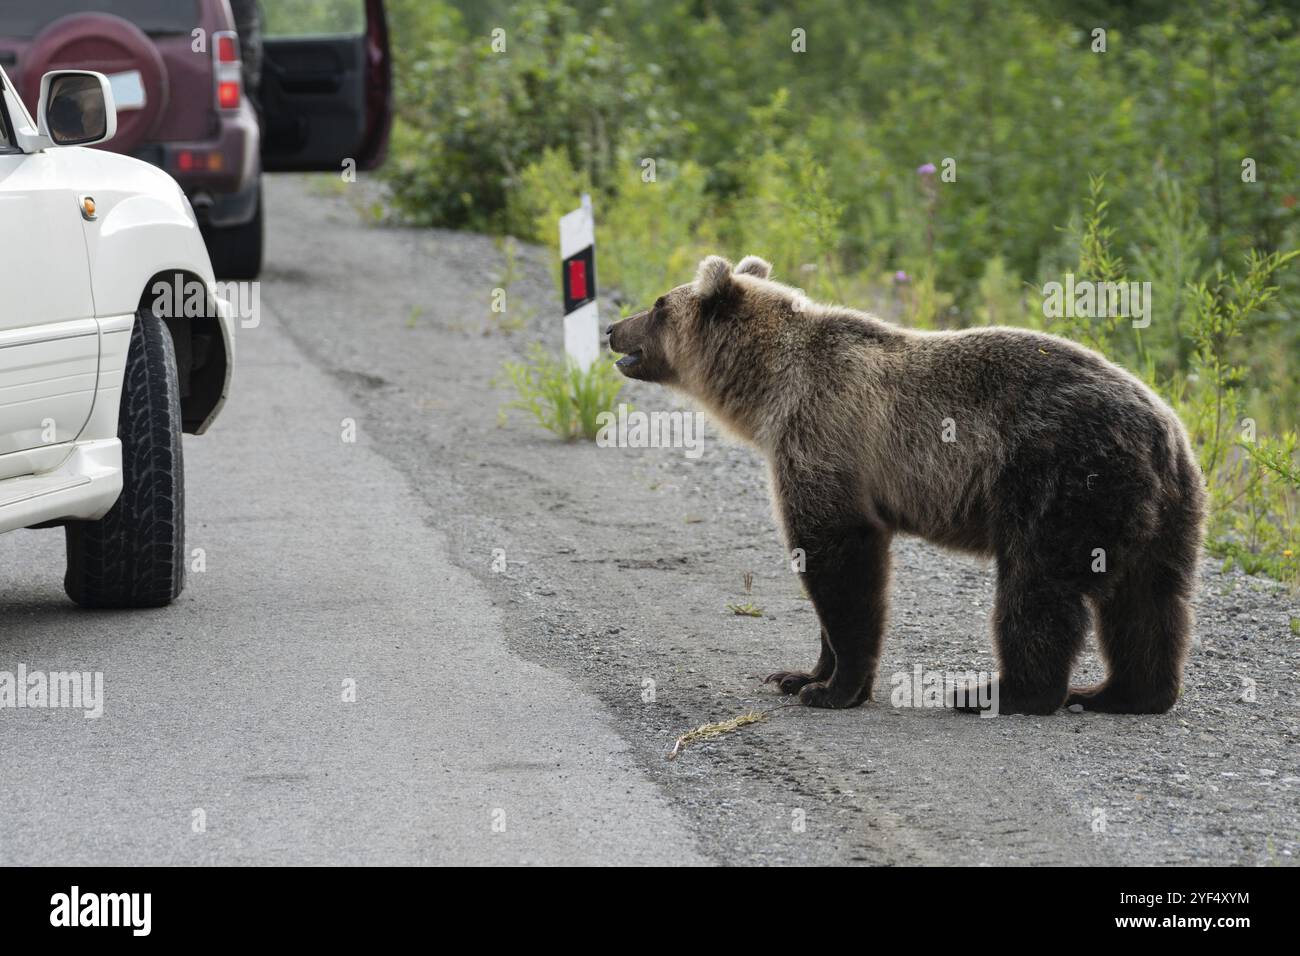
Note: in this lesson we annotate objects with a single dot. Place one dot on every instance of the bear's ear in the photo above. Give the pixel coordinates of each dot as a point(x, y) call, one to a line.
point(713, 277)
point(754, 266)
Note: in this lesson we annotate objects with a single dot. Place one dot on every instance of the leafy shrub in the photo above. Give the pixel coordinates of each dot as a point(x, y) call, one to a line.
point(785, 211)
point(651, 234)
point(816, 161)
point(471, 118)
point(1252, 503)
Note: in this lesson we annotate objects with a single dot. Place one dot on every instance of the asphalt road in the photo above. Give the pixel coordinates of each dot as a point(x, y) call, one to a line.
point(321, 566)
point(545, 692)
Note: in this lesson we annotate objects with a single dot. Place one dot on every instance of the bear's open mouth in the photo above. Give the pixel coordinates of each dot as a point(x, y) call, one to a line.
point(630, 359)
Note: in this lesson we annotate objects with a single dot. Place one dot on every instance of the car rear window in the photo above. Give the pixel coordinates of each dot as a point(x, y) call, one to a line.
point(314, 17)
point(26, 18)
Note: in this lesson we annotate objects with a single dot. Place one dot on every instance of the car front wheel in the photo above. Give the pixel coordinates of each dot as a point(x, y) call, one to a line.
point(135, 555)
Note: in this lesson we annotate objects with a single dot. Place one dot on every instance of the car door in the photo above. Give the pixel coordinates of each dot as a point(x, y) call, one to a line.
point(326, 89)
point(49, 339)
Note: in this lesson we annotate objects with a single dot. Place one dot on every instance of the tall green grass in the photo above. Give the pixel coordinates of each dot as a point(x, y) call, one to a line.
point(562, 397)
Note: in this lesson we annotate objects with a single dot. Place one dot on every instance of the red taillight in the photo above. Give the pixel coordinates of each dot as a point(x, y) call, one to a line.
point(227, 49)
point(225, 53)
point(188, 161)
point(228, 94)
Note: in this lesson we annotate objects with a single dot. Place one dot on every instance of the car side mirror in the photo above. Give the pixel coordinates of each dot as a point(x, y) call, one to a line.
point(76, 108)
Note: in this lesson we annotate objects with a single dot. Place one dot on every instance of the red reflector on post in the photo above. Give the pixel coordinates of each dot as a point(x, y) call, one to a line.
point(227, 49)
point(578, 279)
point(228, 94)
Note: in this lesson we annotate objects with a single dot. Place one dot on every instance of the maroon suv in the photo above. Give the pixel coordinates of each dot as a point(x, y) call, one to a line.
point(215, 92)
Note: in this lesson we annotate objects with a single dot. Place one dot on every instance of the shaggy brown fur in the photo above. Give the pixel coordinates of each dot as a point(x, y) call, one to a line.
point(1052, 453)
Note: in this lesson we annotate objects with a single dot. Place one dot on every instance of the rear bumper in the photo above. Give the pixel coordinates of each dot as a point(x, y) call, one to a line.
point(226, 209)
point(219, 175)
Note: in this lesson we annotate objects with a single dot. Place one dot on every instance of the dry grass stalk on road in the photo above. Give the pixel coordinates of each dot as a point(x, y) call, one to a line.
point(707, 731)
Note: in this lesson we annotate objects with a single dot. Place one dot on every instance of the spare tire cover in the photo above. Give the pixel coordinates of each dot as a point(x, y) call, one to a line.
point(109, 45)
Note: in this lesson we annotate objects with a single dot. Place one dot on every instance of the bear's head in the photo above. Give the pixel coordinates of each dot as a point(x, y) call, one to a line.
point(676, 340)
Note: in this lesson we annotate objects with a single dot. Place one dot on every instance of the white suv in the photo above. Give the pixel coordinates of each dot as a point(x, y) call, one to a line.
point(100, 372)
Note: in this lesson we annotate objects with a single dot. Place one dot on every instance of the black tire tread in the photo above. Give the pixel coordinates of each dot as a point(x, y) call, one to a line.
point(135, 555)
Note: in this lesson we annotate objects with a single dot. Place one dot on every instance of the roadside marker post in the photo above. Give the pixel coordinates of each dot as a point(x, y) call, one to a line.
point(578, 278)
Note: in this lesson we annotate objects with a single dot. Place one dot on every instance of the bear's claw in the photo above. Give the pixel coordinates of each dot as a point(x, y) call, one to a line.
point(789, 682)
point(821, 694)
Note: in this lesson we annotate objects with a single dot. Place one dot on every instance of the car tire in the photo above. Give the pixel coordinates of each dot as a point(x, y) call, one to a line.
point(135, 555)
point(236, 251)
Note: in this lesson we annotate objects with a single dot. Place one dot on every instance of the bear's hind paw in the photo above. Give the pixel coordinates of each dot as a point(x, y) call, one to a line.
point(996, 699)
point(1109, 699)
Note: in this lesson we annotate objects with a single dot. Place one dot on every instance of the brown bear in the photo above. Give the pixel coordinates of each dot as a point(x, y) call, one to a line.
point(999, 442)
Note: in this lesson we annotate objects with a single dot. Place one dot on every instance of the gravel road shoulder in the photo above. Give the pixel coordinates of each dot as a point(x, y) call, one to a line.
point(620, 564)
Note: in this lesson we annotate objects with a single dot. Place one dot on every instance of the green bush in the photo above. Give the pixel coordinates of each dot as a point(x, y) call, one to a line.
point(1131, 163)
point(471, 117)
point(1253, 496)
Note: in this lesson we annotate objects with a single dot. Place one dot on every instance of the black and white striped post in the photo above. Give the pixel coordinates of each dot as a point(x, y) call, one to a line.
point(578, 250)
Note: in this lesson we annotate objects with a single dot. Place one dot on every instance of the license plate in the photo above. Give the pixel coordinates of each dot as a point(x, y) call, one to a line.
point(128, 90)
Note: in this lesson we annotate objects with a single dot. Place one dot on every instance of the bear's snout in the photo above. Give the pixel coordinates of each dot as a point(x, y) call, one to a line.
point(626, 336)
point(632, 338)
point(611, 334)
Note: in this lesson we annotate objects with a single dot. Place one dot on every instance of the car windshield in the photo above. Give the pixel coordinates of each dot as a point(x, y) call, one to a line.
point(5, 141)
point(26, 18)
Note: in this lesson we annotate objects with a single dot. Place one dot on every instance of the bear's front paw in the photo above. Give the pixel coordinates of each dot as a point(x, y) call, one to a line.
point(825, 694)
point(789, 682)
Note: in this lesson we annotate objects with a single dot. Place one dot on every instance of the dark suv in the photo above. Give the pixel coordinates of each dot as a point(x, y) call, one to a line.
point(217, 91)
